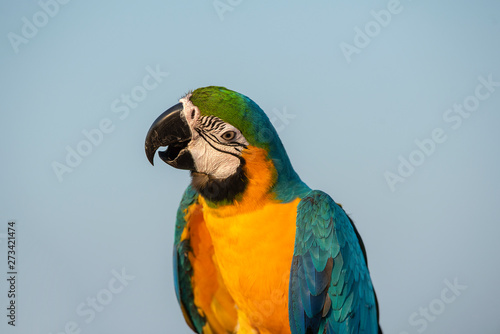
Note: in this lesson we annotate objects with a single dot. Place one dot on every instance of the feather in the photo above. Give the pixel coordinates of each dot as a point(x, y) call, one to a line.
point(330, 288)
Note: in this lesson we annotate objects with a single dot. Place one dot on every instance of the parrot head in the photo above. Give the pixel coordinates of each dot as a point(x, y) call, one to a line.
point(224, 139)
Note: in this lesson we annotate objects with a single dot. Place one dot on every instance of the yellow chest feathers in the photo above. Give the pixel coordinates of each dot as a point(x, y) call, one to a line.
point(254, 253)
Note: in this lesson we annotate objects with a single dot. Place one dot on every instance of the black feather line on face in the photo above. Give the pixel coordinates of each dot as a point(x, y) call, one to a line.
point(224, 190)
point(219, 126)
point(211, 124)
point(208, 139)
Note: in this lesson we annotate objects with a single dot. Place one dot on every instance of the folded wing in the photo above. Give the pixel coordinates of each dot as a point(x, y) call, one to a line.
point(330, 286)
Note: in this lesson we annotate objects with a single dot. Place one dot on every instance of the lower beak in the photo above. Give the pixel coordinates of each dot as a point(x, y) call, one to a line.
point(170, 129)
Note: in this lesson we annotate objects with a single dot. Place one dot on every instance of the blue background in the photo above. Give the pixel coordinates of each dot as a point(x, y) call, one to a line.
point(350, 120)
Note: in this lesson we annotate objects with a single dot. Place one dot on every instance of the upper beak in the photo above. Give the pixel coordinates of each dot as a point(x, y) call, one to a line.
point(170, 129)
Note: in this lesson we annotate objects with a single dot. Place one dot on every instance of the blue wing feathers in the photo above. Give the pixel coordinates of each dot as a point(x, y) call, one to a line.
point(330, 287)
point(183, 270)
point(316, 281)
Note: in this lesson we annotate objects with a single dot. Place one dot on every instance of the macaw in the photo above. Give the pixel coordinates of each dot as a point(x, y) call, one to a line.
point(255, 249)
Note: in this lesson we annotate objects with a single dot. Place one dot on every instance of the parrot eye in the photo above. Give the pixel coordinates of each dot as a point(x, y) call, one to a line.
point(228, 135)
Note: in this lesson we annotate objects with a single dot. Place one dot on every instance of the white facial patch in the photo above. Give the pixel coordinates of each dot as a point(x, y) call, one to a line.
point(191, 112)
point(210, 161)
point(215, 145)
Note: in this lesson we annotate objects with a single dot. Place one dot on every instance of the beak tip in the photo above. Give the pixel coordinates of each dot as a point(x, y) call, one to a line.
point(150, 155)
point(168, 128)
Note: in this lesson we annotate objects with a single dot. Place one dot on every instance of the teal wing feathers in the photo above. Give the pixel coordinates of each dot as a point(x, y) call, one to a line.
point(183, 270)
point(330, 287)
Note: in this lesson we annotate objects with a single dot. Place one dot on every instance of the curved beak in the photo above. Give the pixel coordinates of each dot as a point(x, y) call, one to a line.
point(170, 129)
